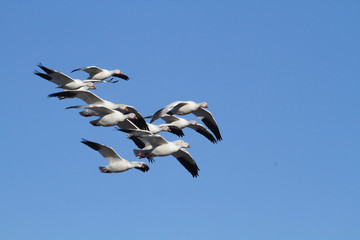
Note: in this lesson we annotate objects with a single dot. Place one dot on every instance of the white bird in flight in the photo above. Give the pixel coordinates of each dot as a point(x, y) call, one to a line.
point(96, 73)
point(157, 146)
point(186, 107)
point(64, 81)
point(116, 162)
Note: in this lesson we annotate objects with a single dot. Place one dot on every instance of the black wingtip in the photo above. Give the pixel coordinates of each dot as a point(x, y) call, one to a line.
point(192, 168)
point(144, 167)
point(43, 75)
point(207, 134)
point(75, 70)
point(195, 174)
point(90, 144)
point(122, 76)
point(140, 123)
point(140, 144)
point(213, 128)
point(63, 94)
point(177, 131)
point(124, 130)
point(45, 69)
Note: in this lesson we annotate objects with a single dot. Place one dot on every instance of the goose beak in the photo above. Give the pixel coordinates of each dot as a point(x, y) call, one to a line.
point(189, 146)
point(93, 86)
point(125, 108)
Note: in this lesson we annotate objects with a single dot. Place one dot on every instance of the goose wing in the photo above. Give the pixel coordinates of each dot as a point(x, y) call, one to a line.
point(57, 77)
point(176, 108)
point(47, 77)
point(154, 140)
point(121, 75)
point(135, 134)
point(127, 124)
point(100, 110)
point(207, 118)
point(91, 70)
point(86, 96)
point(203, 131)
point(161, 112)
point(140, 121)
point(169, 118)
point(176, 130)
point(107, 152)
point(184, 157)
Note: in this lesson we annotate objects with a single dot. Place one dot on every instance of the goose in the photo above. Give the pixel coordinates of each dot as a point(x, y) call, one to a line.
point(156, 146)
point(93, 100)
point(64, 81)
point(96, 73)
point(110, 117)
point(183, 123)
point(153, 129)
point(186, 107)
point(116, 163)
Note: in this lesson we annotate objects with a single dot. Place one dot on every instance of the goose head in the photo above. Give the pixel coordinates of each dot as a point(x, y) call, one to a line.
point(121, 107)
point(164, 127)
point(141, 166)
point(90, 85)
point(117, 73)
point(182, 144)
point(204, 105)
point(131, 116)
point(192, 122)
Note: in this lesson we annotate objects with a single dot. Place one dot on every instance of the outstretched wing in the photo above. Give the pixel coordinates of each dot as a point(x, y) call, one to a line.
point(187, 161)
point(169, 118)
point(163, 111)
point(146, 136)
point(57, 77)
point(100, 110)
point(91, 70)
point(127, 124)
point(155, 140)
point(121, 75)
point(140, 121)
point(86, 96)
point(107, 152)
point(176, 108)
point(176, 130)
point(203, 131)
point(207, 118)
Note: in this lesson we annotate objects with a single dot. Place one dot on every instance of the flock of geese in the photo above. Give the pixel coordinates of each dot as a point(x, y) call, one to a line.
point(128, 120)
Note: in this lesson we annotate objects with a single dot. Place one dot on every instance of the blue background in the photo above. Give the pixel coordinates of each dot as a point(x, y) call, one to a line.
point(281, 79)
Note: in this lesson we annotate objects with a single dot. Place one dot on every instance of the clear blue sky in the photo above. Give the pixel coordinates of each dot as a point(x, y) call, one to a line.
point(281, 79)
